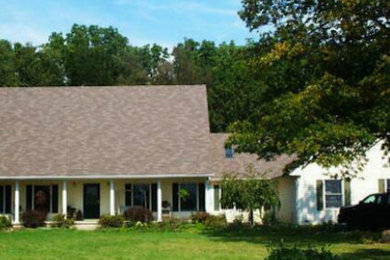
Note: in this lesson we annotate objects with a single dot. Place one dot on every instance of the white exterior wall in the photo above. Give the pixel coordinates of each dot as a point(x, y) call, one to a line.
point(361, 186)
point(286, 188)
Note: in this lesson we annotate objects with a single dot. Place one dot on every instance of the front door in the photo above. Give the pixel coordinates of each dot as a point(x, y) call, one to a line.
point(91, 201)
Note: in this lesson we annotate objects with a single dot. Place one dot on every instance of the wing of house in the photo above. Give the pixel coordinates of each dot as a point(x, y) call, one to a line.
point(103, 149)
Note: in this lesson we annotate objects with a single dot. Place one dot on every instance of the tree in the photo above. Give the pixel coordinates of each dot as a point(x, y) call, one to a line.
point(330, 63)
point(250, 191)
point(7, 65)
point(93, 55)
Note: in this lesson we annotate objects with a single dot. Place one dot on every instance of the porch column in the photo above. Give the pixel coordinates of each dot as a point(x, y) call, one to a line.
point(159, 201)
point(17, 189)
point(112, 198)
point(208, 196)
point(64, 198)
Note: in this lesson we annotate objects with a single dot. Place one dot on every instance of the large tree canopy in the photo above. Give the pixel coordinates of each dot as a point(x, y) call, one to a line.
point(326, 65)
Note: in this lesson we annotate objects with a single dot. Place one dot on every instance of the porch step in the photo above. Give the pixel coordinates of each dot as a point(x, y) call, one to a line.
point(90, 224)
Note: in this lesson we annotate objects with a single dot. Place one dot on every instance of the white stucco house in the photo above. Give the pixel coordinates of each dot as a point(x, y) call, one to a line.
point(101, 150)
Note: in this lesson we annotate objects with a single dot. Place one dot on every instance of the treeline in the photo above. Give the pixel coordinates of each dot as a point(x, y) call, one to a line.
point(96, 56)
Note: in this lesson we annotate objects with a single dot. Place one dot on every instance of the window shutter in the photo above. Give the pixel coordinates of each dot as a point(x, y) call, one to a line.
point(381, 185)
point(201, 196)
point(1, 199)
point(8, 191)
point(28, 197)
point(154, 197)
point(320, 191)
point(175, 199)
point(128, 195)
point(216, 198)
point(347, 192)
point(54, 205)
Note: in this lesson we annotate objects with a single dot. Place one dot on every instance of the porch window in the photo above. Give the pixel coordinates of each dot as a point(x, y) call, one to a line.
point(141, 195)
point(195, 199)
point(189, 203)
point(144, 195)
point(5, 199)
point(333, 194)
point(42, 198)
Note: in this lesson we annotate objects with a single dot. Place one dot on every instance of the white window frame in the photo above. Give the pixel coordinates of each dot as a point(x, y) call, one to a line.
point(324, 193)
point(197, 197)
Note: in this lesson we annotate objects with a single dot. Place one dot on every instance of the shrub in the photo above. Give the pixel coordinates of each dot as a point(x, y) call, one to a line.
point(5, 222)
point(107, 221)
point(200, 217)
point(296, 253)
point(215, 222)
point(138, 214)
point(60, 221)
point(237, 223)
point(269, 218)
point(33, 218)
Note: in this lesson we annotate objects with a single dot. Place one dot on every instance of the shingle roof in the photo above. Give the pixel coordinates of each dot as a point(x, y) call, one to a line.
point(238, 163)
point(69, 131)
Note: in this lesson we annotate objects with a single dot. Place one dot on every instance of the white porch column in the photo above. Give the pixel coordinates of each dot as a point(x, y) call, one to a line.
point(112, 198)
point(208, 196)
point(17, 191)
point(64, 198)
point(159, 201)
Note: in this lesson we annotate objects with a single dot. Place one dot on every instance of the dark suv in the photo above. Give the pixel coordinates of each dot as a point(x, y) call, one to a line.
point(373, 212)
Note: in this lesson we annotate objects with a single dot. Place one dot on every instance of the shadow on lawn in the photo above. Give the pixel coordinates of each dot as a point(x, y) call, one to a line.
point(369, 254)
point(271, 235)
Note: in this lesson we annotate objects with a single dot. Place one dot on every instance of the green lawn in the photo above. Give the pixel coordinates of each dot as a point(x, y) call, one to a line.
point(189, 244)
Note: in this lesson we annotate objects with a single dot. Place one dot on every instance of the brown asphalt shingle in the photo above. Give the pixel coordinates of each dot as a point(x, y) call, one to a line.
point(77, 131)
point(222, 165)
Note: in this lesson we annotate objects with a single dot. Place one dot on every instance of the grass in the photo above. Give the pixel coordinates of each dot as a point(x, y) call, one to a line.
point(187, 244)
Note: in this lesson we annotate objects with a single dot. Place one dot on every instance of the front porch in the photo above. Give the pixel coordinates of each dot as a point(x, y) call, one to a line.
point(94, 197)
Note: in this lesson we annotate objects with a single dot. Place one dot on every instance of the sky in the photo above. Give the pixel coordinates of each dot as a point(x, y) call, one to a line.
point(165, 22)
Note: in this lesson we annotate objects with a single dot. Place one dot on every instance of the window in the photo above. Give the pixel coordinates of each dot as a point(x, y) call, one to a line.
point(144, 195)
point(388, 185)
point(190, 202)
point(333, 194)
point(5, 199)
point(42, 198)
point(141, 195)
point(229, 152)
point(193, 202)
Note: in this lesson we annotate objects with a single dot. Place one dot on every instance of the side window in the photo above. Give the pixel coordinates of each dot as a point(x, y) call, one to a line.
point(388, 185)
point(369, 199)
point(381, 199)
point(333, 194)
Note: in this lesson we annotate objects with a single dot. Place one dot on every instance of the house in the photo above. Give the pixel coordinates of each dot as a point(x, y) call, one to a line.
point(101, 150)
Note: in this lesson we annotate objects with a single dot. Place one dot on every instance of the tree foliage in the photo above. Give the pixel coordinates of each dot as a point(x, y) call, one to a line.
point(326, 66)
point(249, 191)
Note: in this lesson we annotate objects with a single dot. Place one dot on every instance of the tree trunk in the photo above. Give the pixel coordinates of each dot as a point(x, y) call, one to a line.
point(251, 221)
